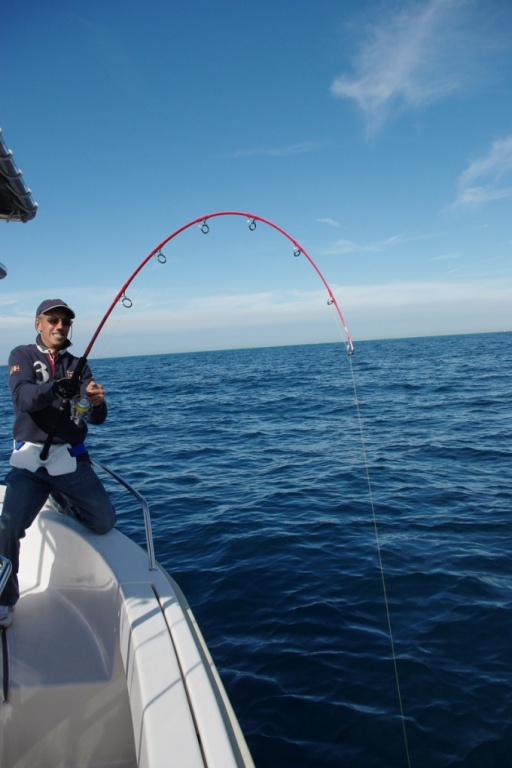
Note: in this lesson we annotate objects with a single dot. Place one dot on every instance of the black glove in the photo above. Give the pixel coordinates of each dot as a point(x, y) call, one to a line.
point(65, 388)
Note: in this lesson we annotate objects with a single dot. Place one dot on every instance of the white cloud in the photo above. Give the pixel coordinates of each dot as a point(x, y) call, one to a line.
point(347, 246)
point(428, 308)
point(488, 178)
point(270, 318)
point(397, 309)
point(446, 256)
point(330, 222)
point(410, 59)
point(300, 148)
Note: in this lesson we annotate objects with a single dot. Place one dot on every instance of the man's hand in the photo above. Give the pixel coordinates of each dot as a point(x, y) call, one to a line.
point(65, 388)
point(95, 393)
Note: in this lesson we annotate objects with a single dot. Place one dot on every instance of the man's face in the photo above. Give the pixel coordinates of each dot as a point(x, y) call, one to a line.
point(54, 327)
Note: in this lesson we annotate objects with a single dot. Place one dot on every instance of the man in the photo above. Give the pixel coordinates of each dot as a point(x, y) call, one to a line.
point(45, 401)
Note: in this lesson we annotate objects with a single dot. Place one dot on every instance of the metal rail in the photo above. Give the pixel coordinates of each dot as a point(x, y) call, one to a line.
point(145, 511)
point(5, 665)
point(5, 572)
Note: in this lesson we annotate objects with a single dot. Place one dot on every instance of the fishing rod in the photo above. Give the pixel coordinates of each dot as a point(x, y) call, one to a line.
point(203, 223)
point(298, 250)
point(121, 296)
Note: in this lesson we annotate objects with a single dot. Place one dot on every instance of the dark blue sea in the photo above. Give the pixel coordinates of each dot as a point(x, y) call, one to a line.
point(342, 530)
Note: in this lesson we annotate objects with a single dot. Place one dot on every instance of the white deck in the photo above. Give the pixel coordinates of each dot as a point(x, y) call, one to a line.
point(107, 667)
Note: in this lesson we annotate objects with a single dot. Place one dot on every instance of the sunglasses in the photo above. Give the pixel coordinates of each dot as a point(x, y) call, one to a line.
point(66, 321)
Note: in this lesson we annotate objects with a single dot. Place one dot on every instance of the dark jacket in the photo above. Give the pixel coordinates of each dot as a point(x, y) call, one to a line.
point(32, 370)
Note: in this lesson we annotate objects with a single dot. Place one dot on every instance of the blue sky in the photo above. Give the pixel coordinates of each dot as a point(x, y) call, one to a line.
point(377, 134)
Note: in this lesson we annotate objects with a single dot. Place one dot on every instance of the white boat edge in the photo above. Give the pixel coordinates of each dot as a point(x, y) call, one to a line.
point(107, 665)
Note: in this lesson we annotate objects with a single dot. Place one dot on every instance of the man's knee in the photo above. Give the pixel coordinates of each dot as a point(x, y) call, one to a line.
point(105, 522)
point(104, 526)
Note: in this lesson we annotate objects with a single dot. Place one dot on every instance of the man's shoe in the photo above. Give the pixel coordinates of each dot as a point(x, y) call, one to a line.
point(6, 616)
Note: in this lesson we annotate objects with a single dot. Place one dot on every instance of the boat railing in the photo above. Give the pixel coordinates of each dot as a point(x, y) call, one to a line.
point(145, 511)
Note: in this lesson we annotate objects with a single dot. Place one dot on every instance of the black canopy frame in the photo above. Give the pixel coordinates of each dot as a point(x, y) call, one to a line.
point(16, 202)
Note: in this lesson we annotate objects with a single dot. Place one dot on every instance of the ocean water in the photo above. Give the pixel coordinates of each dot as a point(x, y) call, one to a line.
point(313, 506)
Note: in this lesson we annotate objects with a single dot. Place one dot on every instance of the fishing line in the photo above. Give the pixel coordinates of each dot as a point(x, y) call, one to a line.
point(203, 222)
point(380, 564)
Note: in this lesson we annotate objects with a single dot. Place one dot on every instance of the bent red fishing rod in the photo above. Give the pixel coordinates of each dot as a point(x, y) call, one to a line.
point(121, 296)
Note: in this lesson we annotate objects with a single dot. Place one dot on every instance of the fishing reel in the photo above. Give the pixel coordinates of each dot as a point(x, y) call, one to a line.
point(80, 407)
